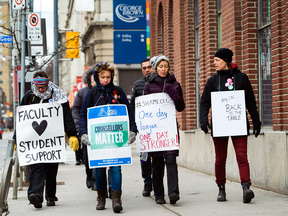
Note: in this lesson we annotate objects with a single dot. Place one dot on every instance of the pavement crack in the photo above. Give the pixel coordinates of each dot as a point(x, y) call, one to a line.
point(164, 206)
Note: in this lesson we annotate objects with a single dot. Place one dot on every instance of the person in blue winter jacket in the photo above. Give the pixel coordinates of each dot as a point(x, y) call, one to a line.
point(106, 94)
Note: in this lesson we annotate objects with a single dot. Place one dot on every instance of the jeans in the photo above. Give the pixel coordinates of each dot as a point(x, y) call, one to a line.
point(146, 168)
point(240, 147)
point(158, 165)
point(86, 162)
point(116, 178)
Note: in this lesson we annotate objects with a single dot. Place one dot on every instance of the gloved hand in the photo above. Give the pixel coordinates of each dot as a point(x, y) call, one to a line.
point(256, 128)
point(171, 91)
point(132, 137)
point(85, 139)
point(205, 126)
point(74, 143)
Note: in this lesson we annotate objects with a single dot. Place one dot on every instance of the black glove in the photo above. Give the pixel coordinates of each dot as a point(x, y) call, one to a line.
point(256, 128)
point(205, 126)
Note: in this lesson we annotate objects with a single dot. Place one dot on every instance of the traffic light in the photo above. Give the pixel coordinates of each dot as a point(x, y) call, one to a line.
point(72, 44)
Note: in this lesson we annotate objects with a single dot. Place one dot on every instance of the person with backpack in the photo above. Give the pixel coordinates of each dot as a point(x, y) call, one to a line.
point(229, 78)
point(105, 92)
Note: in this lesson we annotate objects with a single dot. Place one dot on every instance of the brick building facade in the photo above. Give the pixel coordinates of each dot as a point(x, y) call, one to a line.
point(189, 32)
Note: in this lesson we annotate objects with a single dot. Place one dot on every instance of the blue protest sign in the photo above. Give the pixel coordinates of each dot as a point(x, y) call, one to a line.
point(129, 47)
point(129, 14)
point(5, 39)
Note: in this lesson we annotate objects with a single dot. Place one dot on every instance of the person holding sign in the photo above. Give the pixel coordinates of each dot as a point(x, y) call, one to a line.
point(229, 78)
point(163, 81)
point(146, 166)
point(44, 91)
point(106, 93)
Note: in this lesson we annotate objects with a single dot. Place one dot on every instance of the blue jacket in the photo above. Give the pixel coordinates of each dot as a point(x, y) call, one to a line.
point(109, 98)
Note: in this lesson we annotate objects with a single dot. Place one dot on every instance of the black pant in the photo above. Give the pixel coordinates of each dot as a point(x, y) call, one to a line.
point(146, 171)
point(158, 164)
point(86, 162)
point(39, 173)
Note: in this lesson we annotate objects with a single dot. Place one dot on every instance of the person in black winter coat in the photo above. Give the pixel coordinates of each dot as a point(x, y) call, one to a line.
point(227, 78)
point(103, 76)
point(77, 105)
point(41, 92)
point(163, 81)
point(138, 88)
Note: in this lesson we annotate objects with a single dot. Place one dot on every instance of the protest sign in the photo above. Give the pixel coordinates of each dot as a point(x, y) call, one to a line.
point(228, 113)
point(40, 134)
point(156, 122)
point(108, 131)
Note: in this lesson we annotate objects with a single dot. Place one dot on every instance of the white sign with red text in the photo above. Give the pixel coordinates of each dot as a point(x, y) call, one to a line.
point(156, 122)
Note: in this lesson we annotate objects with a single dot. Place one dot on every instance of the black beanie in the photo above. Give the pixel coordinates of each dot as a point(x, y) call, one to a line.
point(225, 54)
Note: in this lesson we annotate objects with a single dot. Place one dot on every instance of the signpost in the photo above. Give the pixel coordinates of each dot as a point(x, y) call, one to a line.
point(34, 26)
point(18, 4)
point(129, 47)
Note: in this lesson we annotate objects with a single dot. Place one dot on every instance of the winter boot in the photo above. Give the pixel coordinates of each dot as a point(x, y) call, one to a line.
point(116, 201)
point(248, 194)
point(101, 200)
point(147, 189)
point(222, 194)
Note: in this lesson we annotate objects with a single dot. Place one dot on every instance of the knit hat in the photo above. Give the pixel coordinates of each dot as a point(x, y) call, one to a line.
point(154, 61)
point(225, 54)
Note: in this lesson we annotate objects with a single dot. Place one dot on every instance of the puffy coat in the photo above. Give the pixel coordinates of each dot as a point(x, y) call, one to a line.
point(77, 104)
point(241, 82)
point(156, 84)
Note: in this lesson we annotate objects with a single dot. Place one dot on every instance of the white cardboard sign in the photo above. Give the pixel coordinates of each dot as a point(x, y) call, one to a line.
point(108, 130)
point(156, 122)
point(228, 113)
point(40, 134)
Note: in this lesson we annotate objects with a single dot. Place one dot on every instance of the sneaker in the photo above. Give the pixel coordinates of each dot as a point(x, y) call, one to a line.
point(147, 189)
point(35, 200)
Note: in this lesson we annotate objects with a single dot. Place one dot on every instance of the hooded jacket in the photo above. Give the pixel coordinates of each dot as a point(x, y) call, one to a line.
point(240, 82)
point(107, 95)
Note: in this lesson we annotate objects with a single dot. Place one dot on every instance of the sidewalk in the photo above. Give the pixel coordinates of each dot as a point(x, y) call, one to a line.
point(198, 194)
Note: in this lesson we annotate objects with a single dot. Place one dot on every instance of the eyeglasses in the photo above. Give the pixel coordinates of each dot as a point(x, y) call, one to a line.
point(41, 87)
point(149, 67)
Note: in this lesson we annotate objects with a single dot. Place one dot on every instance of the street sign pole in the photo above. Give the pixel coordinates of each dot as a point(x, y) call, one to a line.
point(23, 53)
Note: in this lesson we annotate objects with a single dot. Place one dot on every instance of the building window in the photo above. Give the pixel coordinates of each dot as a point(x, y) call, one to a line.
point(0, 13)
point(1, 81)
point(1, 20)
point(219, 24)
point(0, 72)
point(0, 64)
point(1, 49)
point(197, 61)
point(264, 62)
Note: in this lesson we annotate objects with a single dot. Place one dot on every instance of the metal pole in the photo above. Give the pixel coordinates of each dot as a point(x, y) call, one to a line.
point(55, 59)
point(23, 53)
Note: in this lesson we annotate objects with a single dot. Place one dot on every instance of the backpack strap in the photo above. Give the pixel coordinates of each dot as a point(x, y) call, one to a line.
point(93, 94)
